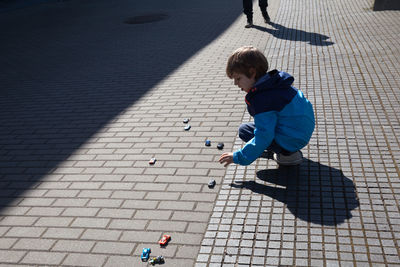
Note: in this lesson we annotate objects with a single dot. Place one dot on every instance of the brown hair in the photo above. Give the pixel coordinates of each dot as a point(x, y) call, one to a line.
point(244, 59)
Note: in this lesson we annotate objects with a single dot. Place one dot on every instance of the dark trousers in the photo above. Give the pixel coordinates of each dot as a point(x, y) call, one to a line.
point(246, 133)
point(248, 7)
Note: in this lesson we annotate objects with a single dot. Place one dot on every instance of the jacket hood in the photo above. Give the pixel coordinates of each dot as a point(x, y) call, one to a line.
point(274, 79)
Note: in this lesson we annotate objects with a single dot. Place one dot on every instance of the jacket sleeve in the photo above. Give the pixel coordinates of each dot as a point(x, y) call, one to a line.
point(263, 135)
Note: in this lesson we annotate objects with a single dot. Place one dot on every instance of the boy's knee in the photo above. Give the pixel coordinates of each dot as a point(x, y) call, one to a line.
point(246, 132)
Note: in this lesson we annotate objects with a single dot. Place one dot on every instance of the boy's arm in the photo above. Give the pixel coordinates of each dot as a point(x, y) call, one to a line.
point(263, 135)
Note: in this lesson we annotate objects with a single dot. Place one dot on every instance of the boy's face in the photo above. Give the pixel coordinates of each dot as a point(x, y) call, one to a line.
point(243, 82)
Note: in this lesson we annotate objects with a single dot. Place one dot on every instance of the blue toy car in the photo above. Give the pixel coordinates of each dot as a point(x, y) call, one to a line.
point(145, 254)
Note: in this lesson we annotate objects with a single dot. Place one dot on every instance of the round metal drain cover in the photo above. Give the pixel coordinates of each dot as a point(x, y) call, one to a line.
point(146, 18)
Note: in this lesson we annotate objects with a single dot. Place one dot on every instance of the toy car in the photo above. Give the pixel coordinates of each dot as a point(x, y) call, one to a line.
point(164, 240)
point(152, 161)
point(211, 183)
point(208, 143)
point(145, 254)
point(220, 146)
point(155, 260)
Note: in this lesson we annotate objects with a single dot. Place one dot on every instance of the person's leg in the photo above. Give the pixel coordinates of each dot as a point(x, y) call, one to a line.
point(274, 147)
point(246, 131)
point(248, 11)
point(263, 4)
point(281, 155)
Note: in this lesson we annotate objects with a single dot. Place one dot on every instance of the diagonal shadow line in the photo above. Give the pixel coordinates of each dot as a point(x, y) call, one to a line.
point(312, 192)
point(69, 68)
point(282, 32)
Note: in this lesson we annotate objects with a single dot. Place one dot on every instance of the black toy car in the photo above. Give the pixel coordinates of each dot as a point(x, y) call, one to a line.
point(211, 183)
point(157, 260)
point(220, 146)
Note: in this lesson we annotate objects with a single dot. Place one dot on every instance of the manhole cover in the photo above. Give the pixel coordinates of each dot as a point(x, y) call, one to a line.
point(146, 18)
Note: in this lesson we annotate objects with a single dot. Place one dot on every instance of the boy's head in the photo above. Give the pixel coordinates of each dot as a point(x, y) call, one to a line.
point(247, 60)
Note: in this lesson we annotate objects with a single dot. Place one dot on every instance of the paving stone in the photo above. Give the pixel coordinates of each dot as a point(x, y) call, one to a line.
point(25, 232)
point(150, 186)
point(73, 246)
point(90, 222)
point(122, 260)
point(18, 221)
point(39, 244)
point(163, 196)
point(116, 213)
point(195, 227)
point(104, 203)
point(6, 243)
point(140, 204)
point(63, 233)
point(114, 248)
point(53, 222)
point(176, 205)
point(170, 226)
point(188, 251)
point(81, 212)
point(190, 216)
point(141, 236)
point(187, 238)
point(43, 258)
point(99, 234)
point(78, 259)
point(11, 256)
point(198, 197)
point(71, 202)
point(153, 214)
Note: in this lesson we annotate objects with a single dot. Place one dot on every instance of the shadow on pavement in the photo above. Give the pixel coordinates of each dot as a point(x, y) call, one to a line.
point(312, 192)
point(281, 32)
point(68, 68)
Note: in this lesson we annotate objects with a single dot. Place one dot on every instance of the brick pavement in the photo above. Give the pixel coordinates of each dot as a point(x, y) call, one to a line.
point(340, 207)
point(84, 111)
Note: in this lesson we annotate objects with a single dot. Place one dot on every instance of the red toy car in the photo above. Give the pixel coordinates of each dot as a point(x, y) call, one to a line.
point(164, 240)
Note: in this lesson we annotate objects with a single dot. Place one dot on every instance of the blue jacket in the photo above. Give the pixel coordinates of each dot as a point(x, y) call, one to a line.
point(281, 113)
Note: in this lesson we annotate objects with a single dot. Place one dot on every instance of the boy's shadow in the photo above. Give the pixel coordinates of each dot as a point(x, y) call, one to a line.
point(282, 32)
point(312, 192)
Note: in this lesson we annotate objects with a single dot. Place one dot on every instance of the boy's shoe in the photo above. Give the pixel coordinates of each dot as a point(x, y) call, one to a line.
point(267, 19)
point(293, 159)
point(267, 154)
point(249, 23)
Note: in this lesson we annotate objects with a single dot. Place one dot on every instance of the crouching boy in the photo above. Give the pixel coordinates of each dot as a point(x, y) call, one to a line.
point(283, 116)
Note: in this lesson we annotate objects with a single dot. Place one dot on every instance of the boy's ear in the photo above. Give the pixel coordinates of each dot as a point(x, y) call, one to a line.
point(252, 72)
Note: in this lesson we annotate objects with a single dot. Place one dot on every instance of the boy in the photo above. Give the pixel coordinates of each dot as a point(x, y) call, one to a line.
point(283, 117)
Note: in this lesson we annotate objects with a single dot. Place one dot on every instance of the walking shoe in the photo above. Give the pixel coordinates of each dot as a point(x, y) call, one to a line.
point(267, 19)
point(293, 159)
point(249, 23)
point(267, 154)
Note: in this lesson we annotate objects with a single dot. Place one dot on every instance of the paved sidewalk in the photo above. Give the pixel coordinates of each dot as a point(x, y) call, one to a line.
point(86, 100)
point(341, 206)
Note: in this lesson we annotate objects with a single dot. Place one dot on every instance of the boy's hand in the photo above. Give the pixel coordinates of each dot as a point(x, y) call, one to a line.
point(226, 158)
